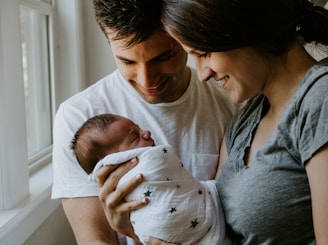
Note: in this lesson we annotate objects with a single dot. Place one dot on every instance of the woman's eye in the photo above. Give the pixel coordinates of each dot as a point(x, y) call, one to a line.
point(203, 54)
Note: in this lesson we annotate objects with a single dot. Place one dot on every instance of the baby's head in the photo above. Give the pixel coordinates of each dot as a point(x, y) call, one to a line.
point(105, 134)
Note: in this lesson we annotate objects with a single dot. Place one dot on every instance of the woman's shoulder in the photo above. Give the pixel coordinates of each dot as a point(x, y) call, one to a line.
point(314, 86)
point(318, 71)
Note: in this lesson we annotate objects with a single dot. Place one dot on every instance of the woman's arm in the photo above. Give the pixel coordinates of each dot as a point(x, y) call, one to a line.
point(116, 209)
point(223, 157)
point(317, 171)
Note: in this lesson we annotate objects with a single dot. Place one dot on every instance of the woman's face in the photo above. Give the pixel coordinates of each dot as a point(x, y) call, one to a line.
point(241, 72)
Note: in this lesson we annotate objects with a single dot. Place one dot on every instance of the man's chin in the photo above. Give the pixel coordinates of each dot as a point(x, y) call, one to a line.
point(153, 99)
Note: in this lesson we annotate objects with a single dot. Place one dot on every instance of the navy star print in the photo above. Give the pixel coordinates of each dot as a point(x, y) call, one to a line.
point(147, 193)
point(194, 223)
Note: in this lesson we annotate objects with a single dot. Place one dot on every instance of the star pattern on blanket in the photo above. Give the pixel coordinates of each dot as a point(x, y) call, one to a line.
point(194, 223)
point(173, 210)
point(147, 193)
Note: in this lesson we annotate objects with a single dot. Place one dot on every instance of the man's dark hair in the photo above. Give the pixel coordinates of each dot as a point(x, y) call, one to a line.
point(134, 19)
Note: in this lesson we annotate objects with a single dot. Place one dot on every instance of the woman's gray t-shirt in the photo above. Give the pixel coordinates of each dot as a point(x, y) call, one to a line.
point(269, 202)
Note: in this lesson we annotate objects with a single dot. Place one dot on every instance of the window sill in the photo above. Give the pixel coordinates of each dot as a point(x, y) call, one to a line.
point(17, 225)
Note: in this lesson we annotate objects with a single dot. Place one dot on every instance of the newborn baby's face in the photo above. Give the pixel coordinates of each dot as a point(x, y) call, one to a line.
point(126, 135)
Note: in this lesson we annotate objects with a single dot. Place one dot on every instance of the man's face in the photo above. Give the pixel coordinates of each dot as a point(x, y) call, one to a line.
point(156, 68)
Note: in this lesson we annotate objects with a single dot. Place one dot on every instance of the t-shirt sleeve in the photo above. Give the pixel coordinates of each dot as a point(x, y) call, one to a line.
point(313, 119)
point(69, 179)
point(239, 126)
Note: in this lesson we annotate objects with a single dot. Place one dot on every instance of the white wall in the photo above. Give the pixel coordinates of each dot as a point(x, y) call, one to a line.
point(99, 60)
point(54, 231)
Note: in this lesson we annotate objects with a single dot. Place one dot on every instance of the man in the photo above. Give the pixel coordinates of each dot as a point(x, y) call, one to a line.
point(153, 87)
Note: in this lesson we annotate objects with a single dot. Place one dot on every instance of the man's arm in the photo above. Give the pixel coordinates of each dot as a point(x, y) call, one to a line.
point(88, 221)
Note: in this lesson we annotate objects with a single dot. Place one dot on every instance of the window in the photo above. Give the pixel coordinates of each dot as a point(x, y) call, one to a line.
point(41, 64)
point(37, 73)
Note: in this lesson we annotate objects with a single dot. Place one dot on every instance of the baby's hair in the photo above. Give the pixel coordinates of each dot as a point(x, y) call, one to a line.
point(87, 143)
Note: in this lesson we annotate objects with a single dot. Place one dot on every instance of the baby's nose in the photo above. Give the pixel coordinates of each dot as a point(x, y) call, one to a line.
point(146, 134)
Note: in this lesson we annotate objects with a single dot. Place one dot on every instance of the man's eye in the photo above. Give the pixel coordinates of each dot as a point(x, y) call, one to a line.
point(126, 62)
point(166, 57)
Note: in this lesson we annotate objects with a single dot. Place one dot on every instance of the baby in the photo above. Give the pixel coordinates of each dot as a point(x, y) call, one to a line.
point(181, 210)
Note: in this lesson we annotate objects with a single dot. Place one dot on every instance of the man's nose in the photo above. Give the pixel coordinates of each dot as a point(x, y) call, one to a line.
point(146, 76)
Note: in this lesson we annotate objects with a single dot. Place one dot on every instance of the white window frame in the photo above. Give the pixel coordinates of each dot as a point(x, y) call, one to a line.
point(25, 191)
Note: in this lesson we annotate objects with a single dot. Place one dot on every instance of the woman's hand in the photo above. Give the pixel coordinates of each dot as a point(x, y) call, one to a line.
point(117, 210)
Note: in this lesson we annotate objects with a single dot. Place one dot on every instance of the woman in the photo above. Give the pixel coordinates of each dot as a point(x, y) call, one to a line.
point(274, 179)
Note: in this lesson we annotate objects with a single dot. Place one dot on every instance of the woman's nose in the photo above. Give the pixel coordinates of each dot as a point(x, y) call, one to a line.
point(204, 74)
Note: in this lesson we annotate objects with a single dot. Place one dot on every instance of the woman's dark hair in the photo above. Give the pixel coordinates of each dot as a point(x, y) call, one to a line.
point(137, 19)
point(220, 25)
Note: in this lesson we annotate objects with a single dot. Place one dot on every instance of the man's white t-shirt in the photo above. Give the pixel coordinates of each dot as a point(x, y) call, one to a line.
point(193, 125)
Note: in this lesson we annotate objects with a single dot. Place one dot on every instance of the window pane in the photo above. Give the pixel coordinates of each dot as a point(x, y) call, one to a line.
point(43, 1)
point(35, 48)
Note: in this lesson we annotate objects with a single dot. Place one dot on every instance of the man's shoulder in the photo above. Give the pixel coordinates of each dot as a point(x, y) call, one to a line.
point(109, 84)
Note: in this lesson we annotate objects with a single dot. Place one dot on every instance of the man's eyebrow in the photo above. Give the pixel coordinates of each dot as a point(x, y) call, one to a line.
point(123, 58)
point(165, 53)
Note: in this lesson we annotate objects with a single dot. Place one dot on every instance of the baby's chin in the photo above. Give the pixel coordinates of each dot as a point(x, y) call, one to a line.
point(153, 142)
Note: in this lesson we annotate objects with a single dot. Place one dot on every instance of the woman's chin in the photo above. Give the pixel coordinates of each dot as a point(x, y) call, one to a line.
point(237, 99)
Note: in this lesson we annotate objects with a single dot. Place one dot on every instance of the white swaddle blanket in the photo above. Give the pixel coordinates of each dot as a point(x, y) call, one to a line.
point(181, 210)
